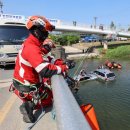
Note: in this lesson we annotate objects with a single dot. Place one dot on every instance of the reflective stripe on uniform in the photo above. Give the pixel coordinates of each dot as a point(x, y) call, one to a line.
point(58, 69)
point(21, 72)
point(41, 66)
point(23, 60)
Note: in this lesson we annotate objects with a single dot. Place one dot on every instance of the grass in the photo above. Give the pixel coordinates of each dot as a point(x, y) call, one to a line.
point(122, 52)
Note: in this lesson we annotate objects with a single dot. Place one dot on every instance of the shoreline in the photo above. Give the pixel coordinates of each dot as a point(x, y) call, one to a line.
point(76, 51)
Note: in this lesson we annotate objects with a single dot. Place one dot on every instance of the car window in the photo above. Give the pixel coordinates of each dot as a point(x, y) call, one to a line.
point(96, 72)
point(101, 74)
point(12, 34)
point(110, 75)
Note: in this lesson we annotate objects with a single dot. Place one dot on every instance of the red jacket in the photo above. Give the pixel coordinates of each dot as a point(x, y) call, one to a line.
point(30, 65)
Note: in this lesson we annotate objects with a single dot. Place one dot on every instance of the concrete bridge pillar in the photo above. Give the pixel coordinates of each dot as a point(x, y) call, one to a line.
point(105, 45)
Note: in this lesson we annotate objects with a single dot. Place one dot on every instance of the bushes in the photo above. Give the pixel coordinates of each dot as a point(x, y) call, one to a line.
point(72, 39)
point(65, 39)
point(119, 52)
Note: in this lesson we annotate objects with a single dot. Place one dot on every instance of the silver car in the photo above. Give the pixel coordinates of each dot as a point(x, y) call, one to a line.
point(105, 74)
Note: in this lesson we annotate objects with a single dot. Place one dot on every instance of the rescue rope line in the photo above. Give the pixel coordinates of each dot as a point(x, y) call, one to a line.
point(82, 61)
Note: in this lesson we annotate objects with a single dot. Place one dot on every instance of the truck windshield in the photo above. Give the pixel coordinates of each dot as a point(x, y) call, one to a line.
point(12, 34)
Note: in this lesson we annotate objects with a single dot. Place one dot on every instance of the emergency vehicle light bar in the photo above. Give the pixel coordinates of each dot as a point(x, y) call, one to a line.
point(13, 17)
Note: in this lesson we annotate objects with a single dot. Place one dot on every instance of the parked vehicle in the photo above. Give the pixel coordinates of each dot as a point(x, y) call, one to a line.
point(105, 74)
point(12, 34)
point(90, 39)
point(83, 76)
point(122, 39)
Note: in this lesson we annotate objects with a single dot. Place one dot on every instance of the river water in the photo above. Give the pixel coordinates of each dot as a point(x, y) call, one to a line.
point(111, 100)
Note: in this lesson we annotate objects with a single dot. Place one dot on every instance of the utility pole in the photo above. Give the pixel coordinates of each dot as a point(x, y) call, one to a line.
point(1, 6)
point(95, 22)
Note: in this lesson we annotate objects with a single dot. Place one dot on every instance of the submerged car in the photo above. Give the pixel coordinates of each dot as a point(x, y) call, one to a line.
point(105, 74)
point(84, 76)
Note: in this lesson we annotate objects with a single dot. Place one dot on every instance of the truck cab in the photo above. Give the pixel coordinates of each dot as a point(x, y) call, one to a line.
point(13, 32)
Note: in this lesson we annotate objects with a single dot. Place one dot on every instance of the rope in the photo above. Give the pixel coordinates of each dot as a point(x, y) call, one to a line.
point(82, 61)
point(79, 66)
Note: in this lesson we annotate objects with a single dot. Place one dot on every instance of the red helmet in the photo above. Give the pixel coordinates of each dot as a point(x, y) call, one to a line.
point(39, 20)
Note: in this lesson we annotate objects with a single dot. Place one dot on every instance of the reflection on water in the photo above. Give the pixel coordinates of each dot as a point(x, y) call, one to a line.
point(111, 100)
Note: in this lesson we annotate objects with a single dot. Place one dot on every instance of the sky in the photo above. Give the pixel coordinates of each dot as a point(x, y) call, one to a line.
point(82, 11)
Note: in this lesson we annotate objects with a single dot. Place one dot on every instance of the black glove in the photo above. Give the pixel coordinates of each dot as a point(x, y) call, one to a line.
point(70, 63)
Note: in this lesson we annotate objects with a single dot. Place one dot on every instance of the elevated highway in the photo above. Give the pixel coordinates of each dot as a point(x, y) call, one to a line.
point(86, 29)
point(67, 28)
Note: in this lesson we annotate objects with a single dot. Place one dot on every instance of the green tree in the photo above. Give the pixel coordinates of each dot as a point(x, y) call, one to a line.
point(65, 39)
point(72, 39)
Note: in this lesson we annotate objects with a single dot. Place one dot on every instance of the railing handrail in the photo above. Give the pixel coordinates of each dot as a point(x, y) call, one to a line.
point(68, 113)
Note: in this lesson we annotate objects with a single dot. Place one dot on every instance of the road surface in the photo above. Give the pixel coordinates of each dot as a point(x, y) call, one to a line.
point(10, 117)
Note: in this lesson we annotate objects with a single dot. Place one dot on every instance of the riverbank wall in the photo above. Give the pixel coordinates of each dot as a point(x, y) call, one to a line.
point(87, 50)
point(75, 53)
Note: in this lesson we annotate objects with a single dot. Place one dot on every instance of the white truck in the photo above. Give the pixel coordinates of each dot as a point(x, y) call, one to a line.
point(12, 34)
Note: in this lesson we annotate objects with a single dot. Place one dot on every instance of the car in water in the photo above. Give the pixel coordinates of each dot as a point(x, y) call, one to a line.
point(105, 74)
point(84, 76)
point(12, 34)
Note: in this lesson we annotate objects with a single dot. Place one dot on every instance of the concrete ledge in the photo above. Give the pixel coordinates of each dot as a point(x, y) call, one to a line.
point(77, 56)
point(70, 49)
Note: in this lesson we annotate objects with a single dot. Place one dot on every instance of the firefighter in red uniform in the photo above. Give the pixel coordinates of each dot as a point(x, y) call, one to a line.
point(31, 67)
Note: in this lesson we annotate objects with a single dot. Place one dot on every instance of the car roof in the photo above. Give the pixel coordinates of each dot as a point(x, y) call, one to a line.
point(105, 71)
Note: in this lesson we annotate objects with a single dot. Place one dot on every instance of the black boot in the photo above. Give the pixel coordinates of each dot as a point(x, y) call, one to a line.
point(27, 110)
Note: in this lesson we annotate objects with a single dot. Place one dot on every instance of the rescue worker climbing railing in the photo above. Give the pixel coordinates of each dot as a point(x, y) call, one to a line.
point(68, 113)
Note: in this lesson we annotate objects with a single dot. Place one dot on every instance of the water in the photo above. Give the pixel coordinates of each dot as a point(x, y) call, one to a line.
point(111, 100)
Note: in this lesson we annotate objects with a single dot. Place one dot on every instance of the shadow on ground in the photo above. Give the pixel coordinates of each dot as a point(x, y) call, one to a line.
point(7, 67)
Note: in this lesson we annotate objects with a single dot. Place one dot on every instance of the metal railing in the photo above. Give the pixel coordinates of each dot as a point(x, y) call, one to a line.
point(68, 113)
